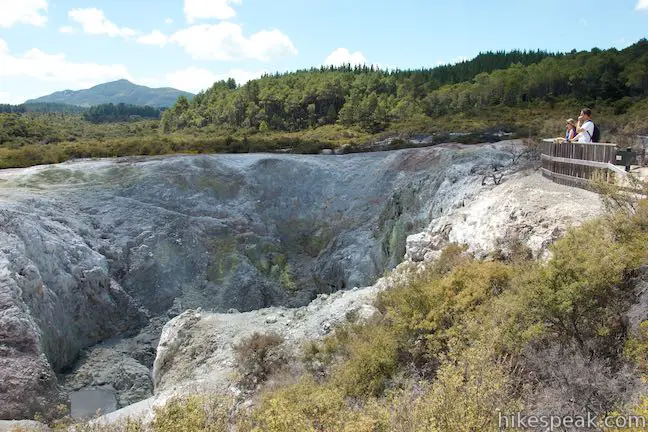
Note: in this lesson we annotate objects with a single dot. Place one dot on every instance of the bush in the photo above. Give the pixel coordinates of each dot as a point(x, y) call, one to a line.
point(581, 293)
point(372, 361)
point(636, 348)
point(258, 356)
point(193, 414)
point(319, 356)
point(561, 381)
point(512, 249)
point(469, 391)
point(426, 312)
point(305, 406)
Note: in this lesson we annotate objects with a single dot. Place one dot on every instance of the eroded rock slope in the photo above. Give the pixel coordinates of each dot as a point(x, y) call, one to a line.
point(95, 251)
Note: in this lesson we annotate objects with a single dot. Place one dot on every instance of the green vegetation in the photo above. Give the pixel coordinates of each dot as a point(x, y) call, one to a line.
point(375, 100)
point(458, 343)
point(345, 108)
point(110, 113)
point(258, 357)
point(42, 108)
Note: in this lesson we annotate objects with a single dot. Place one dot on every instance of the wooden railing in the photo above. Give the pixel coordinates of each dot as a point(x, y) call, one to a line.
point(576, 164)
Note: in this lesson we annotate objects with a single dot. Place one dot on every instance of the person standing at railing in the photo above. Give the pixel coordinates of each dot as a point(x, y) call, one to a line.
point(585, 127)
point(570, 133)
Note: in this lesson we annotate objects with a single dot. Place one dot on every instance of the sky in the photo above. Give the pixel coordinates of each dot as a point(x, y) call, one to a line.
point(51, 45)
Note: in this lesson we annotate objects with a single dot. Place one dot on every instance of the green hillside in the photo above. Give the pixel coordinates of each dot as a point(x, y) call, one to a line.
point(42, 107)
point(121, 91)
point(526, 94)
point(377, 100)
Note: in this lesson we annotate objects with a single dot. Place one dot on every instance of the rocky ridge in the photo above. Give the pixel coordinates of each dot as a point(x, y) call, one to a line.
point(107, 251)
point(196, 353)
point(195, 349)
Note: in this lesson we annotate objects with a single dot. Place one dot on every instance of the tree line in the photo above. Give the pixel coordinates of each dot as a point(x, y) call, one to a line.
point(373, 99)
point(110, 113)
point(41, 107)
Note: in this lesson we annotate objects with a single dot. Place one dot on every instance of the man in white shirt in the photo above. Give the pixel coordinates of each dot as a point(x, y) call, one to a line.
point(585, 127)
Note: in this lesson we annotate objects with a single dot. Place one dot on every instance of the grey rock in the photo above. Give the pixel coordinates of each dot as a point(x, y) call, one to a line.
point(325, 328)
point(94, 250)
point(130, 380)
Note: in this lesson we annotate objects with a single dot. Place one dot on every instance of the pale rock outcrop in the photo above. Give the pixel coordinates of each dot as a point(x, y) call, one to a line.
point(196, 348)
point(525, 206)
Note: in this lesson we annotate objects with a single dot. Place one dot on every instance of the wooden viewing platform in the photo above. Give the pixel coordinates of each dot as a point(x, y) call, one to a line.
point(577, 164)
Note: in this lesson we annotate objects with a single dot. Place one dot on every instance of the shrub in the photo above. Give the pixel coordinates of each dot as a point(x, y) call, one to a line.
point(469, 391)
point(580, 294)
point(636, 348)
point(259, 356)
point(425, 313)
point(319, 356)
point(562, 381)
point(372, 361)
point(305, 406)
point(196, 413)
point(512, 249)
point(310, 407)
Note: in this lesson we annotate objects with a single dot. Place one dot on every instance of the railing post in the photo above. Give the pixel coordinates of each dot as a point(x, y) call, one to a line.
point(576, 163)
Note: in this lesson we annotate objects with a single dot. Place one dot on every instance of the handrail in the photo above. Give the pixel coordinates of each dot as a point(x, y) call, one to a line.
point(575, 163)
point(553, 141)
point(598, 152)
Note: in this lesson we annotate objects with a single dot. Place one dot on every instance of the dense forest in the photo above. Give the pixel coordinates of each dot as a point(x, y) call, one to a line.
point(375, 99)
point(108, 113)
point(41, 107)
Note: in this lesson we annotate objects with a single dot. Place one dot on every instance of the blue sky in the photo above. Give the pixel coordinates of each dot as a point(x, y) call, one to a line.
point(50, 45)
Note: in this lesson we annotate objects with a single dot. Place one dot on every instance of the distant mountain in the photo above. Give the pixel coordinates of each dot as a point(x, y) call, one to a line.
point(121, 91)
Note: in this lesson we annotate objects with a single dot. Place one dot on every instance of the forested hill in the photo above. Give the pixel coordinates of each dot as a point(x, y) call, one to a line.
point(41, 107)
point(121, 91)
point(375, 99)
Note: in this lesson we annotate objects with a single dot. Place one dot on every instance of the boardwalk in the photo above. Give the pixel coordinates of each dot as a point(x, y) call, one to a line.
point(576, 164)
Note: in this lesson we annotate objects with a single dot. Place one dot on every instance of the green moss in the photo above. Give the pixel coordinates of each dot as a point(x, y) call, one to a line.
point(270, 262)
point(224, 261)
point(286, 278)
point(221, 188)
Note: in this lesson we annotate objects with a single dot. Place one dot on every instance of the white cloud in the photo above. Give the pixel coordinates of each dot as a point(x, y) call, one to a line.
point(342, 56)
point(225, 41)
point(22, 11)
point(66, 29)
point(156, 37)
point(42, 66)
point(193, 79)
point(8, 98)
point(93, 21)
point(201, 9)
point(642, 5)
point(168, 21)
